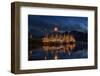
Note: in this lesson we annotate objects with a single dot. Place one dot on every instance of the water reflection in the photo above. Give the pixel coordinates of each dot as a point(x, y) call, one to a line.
point(64, 48)
point(68, 51)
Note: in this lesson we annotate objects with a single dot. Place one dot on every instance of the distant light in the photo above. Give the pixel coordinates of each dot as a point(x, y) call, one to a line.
point(55, 29)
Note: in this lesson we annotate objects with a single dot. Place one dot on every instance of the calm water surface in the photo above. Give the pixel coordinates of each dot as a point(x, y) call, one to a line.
point(68, 51)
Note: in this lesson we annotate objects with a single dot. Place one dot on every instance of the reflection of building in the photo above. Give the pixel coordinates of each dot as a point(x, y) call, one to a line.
point(58, 37)
point(68, 48)
point(65, 48)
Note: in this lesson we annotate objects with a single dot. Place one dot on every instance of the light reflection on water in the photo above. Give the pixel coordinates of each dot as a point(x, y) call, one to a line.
point(68, 51)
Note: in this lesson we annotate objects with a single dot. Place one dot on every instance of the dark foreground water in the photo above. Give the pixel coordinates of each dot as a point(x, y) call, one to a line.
point(68, 51)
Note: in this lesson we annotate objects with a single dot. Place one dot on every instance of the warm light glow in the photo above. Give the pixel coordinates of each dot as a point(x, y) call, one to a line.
point(55, 29)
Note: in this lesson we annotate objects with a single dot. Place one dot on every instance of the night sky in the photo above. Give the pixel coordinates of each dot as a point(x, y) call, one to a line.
point(39, 24)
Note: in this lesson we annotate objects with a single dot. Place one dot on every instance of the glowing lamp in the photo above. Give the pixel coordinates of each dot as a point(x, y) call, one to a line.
point(55, 29)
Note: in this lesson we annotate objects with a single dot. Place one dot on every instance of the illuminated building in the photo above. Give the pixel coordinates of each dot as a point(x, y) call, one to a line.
point(57, 37)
